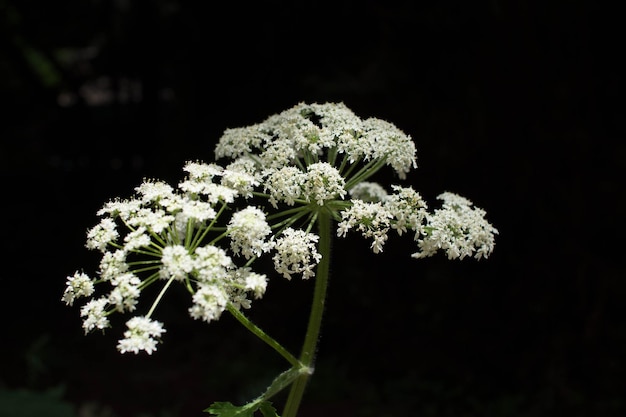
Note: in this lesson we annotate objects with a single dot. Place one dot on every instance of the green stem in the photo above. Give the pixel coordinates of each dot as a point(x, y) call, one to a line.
point(262, 335)
point(156, 301)
point(307, 356)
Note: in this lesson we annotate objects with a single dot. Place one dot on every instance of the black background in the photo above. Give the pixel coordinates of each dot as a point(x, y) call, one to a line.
point(514, 105)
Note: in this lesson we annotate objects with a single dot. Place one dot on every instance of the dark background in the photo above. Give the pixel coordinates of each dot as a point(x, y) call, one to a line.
point(514, 105)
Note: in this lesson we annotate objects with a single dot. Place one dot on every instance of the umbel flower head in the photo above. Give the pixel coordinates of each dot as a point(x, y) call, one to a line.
point(204, 234)
point(316, 152)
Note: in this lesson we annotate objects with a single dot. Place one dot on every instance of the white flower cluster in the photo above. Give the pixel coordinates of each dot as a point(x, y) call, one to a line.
point(329, 134)
point(248, 232)
point(319, 184)
point(369, 192)
point(380, 211)
point(457, 228)
point(307, 158)
point(170, 234)
point(373, 220)
point(142, 334)
point(296, 253)
point(77, 285)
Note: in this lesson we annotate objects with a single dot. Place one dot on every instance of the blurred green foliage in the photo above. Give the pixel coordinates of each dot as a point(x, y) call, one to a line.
point(27, 403)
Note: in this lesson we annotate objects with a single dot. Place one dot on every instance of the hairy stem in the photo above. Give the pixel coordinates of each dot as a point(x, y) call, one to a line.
point(307, 356)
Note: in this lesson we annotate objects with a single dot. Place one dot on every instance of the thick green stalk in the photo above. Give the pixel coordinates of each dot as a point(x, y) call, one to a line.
point(307, 356)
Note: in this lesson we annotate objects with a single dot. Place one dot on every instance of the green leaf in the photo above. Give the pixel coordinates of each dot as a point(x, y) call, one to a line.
point(268, 410)
point(227, 409)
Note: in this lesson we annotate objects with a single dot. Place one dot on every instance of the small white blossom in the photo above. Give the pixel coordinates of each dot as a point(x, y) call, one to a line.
point(176, 263)
point(457, 228)
point(236, 142)
point(209, 302)
point(285, 185)
point(213, 192)
point(256, 282)
point(211, 264)
point(296, 252)
point(322, 183)
point(240, 175)
point(279, 153)
point(77, 285)
point(369, 192)
point(308, 131)
point(122, 208)
point(390, 144)
point(112, 264)
point(373, 220)
point(125, 292)
point(155, 220)
point(198, 211)
point(339, 126)
point(142, 334)
point(101, 235)
point(95, 315)
point(137, 239)
point(239, 300)
point(202, 171)
point(248, 231)
point(155, 191)
point(408, 209)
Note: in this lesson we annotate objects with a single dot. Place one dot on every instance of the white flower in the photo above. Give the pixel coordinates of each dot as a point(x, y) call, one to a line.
point(95, 315)
point(122, 208)
point(78, 285)
point(239, 299)
point(112, 264)
point(296, 252)
point(240, 175)
point(284, 185)
point(391, 144)
point(125, 292)
point(240, 141)
point(308, 132)
point(457, 228)
point(201, 182)
point(137, 239)
point(453, 200)
point(210, 301)
point(198, 211)
point(176, 262)
point(408, 209)
point(102, 234)
point(256, 282)
point(240, 281)
point(373, 220)
point(339, 126)
point(155, 220)
point(322, 183)
point(248, 231)
point(142, 334)
point(369, 192)
point(214, 193)
point(155, 191)
point(278, 153)
point(211, 264)
point(202, 171)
